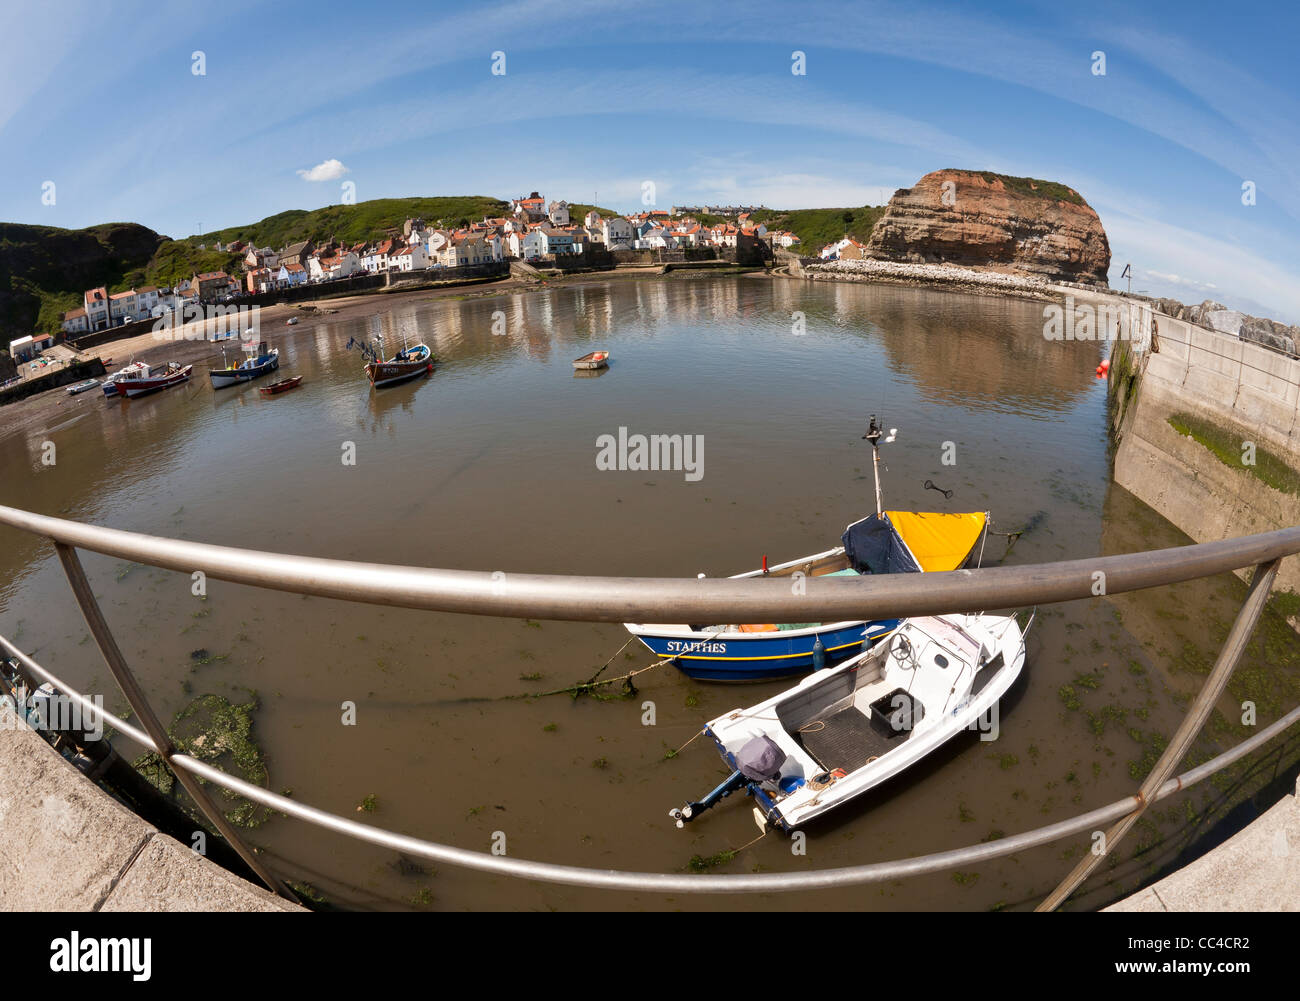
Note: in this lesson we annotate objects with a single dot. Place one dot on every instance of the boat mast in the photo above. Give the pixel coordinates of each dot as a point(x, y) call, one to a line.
point(873, 435)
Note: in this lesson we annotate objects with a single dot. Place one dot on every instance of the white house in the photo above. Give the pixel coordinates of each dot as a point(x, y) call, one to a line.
point(376, 259)
point(558, 213)
point(591, 220)
point(410, 258)
point(656, 239)
point(436, 242)
point(618, 233)
point(95, 303)
point(121, 307)
point(533, 245)
point(75, 322)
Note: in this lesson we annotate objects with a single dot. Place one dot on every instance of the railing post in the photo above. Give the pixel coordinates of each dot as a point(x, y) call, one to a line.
point(1181, 743)
point(152, 725)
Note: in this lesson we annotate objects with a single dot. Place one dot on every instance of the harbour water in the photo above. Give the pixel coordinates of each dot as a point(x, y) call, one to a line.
point(491, 463)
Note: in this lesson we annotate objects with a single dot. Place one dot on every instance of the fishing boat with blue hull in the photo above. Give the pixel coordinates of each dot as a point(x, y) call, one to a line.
point(261, 360)
point(889, 542)
point(885, 542)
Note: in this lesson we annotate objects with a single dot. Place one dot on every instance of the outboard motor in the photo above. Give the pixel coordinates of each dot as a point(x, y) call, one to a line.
point(759, 760)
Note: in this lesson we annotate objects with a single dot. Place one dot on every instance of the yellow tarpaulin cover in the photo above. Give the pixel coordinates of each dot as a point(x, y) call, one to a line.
point(939, 541)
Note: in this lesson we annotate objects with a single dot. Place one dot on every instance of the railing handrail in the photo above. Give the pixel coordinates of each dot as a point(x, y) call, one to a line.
point(586, 599)
point(655, 599)
point(615, 879)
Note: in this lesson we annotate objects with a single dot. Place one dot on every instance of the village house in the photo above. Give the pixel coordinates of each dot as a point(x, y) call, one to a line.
point(297, 253)
point(655, 239)
point(530, 209)
point(617, 233)
point(260, 257)
point(375, 260)
point(291, 276)
point(558, 213)
point(412, 257)
point(95, 302)
point(74, 321)
point(212, 285)
point(556, 241)
point(436, 243)
point(847, 249)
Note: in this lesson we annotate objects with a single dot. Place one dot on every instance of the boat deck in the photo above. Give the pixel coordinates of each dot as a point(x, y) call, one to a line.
point(846, 740)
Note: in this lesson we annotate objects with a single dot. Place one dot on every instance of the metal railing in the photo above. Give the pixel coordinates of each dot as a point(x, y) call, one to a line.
point(619, 599)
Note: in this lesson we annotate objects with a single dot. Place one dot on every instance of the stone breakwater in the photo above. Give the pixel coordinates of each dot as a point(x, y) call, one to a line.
point(946, 275)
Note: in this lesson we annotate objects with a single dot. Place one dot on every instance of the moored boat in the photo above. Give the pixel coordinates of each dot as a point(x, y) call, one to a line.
point(152, 380)
point(261, 360)
point(408, 363)
point(886, 542)
point(109, 385)
point(591, 360)
point(283, 386)
point(82, 387)
point(843, 731)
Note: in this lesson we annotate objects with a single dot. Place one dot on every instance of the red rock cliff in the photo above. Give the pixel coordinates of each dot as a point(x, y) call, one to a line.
point(981, 219)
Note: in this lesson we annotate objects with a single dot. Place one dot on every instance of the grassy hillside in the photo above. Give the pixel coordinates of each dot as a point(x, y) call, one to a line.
point(818, 227)
point(44, 270)
point(354, 223)
point(578, 211)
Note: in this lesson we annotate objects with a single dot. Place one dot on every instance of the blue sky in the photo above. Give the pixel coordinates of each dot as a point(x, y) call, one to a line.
point(600, 97)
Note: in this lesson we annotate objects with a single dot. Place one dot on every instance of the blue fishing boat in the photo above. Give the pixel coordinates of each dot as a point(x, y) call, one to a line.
point(259, 362)
point(885, 542)
point(888, 542)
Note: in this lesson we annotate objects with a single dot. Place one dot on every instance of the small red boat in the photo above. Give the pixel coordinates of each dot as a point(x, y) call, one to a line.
point(283, 386)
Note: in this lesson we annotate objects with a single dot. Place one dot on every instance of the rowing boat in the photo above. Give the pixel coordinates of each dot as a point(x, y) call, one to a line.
point(283, 386)
point(591, 360)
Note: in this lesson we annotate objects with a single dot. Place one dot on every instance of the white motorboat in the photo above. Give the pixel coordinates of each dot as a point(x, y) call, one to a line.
point(844, 730)
point(136, 369)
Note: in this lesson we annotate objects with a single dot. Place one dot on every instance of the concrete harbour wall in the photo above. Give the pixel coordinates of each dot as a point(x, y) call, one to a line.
point(1248, 393)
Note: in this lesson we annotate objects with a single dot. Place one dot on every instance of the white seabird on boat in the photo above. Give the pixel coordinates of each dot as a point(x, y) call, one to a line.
point(844, 730)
